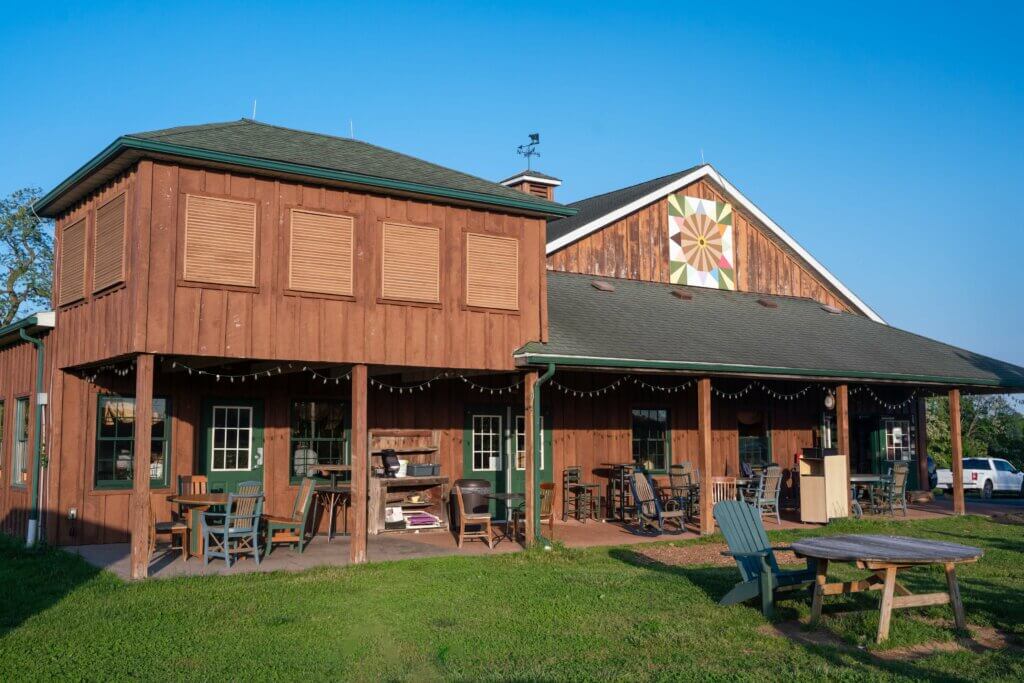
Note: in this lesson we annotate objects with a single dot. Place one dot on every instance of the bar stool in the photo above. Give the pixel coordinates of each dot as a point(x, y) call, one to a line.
point(578, 497)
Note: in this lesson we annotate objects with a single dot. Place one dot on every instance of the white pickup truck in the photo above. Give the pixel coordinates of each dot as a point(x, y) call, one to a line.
point(987, 476)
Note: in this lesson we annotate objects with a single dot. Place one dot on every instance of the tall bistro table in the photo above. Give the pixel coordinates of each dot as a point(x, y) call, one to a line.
point(196, 503)
point(330, 496)
point(509, 499)
point(885, 556)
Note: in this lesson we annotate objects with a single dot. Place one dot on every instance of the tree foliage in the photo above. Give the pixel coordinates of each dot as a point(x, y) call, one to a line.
point(26, 255)
point(989, 426)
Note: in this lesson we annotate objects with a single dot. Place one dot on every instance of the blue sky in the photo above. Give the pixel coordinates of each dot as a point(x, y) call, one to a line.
point(886, 139)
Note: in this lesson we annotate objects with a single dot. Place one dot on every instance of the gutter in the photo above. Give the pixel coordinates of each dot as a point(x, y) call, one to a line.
point(756, 370)
point(32, 535)
point(538, 437)
point(127, 142)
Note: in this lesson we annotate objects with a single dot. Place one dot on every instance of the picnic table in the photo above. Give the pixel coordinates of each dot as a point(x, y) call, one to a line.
point(885, 556)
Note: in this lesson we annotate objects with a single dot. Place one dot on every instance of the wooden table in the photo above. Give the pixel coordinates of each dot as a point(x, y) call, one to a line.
point(196, 504)
point(332, 471)
point(885, 556)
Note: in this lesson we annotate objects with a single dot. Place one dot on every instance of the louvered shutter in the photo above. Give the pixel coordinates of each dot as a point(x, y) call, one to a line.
point(320, 253)
point(108, 256)
point(72, 263)
point(410, 267)
point(220, 241)
point(492, 271)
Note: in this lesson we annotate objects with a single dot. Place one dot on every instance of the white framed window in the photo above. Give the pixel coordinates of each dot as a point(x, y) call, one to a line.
point(521, 454)
point(487, 435)
point(898, 441)
point(232, 439)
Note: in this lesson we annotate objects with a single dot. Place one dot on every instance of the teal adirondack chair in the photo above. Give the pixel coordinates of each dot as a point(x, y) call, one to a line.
point(755, 558)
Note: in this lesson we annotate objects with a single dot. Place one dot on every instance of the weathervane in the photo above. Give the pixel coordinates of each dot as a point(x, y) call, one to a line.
point(529, 150)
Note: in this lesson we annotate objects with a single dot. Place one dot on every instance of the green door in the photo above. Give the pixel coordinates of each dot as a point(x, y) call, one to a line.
point(485, 444)
point(522, 459)
point(232, 450)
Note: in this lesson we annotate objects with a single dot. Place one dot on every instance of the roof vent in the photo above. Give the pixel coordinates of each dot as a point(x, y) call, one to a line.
point(680, 294)
point(602, 286)
point(831, 309)
point(767, 303)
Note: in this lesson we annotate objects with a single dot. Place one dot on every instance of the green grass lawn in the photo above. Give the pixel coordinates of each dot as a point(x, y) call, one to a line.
point(565, 614)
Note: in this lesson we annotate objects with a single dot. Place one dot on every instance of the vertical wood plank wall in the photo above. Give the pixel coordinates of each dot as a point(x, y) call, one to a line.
point(17, 380)
point(636, 248)
point(155, 312)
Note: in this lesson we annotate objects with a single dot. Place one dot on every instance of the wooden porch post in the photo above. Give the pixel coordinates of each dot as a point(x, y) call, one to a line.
point(843, 427)
point(956, 446)
point(707, 522)
point(360, 465)
point(529, 381)
point(922, 445)
point(139, 511)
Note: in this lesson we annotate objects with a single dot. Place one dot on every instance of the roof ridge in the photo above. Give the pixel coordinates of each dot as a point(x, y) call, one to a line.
point(675, 174)
point(182, 129)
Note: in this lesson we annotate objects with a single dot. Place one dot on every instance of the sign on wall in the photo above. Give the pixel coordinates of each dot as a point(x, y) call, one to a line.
point(700, 242)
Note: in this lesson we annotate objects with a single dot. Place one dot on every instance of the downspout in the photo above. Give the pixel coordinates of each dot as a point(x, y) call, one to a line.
point(537, 441)
point(37, 467)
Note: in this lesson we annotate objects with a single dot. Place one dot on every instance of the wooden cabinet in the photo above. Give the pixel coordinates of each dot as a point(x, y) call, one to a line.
point(386, 492)
point(823, 493)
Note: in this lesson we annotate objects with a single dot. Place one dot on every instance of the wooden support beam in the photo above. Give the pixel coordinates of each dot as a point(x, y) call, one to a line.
point(529, 381)
point(707, 522)
point(843, 429)
point(360, 464)
point(922, 445)
point(139, 511)
point(956, 446)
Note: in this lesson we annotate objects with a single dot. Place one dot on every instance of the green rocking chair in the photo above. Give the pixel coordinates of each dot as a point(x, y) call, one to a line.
point(292, 529)
point(755, 558)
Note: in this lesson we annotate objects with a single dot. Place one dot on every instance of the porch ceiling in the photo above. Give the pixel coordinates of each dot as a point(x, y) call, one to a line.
point(641, 325)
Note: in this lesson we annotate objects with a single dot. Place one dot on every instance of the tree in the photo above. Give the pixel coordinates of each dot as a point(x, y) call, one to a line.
point(989, 427)
point(26, 255)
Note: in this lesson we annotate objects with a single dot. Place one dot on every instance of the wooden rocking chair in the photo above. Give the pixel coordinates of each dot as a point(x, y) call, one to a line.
point(292, 529)
point(649, 510)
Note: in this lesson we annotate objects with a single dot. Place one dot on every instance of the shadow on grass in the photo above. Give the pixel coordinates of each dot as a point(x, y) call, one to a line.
point(988, 598)
point(35, 580)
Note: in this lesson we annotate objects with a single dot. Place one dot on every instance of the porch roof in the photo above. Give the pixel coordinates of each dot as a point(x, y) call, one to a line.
point(642, 325)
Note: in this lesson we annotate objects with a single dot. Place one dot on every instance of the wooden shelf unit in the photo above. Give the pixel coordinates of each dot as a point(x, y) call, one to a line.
point(823, 493)
point(435, 489)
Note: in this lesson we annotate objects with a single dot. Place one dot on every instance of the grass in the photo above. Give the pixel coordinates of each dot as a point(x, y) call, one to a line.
point(604, 613)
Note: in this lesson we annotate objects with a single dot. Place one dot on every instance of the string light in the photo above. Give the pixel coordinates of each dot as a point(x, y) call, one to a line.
point(885, 404)
point(119, 370)
point(483, 389)
point(668, 390)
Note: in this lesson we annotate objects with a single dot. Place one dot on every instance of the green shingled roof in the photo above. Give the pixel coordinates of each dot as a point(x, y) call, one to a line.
point(642, 325)
point(274, 149)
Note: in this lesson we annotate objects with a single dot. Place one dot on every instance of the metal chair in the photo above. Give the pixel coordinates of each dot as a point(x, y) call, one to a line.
point(766, 496)
point(234, 531)
point(578, 497)
point(681, 487)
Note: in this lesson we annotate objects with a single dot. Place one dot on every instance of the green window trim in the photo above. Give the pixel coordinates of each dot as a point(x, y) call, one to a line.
point(110, 438)
point(19, 452)
point(319, 433)
point(651, 438)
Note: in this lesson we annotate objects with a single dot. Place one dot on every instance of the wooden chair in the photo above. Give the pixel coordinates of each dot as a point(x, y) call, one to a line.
point(766, 496)
point(234, 531)
point(175, 527)
point(892, 493)
point(578, 497)
point(477, 520)
point(649, 509)
point(547, 500)
point(722, 489)
point(193, 483)
point(755, 558)
point(292, 529)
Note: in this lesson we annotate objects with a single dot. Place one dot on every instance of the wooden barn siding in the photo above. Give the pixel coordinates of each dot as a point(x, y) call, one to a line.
point(103, 514)
point(17, 380)
point(636, 247)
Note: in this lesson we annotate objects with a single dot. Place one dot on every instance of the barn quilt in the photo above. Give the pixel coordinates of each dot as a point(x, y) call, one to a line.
point(700, 242)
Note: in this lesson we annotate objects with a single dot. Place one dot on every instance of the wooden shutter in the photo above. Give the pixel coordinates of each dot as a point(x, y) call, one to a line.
point(492, 271)
point(320, 253)
point(72, 263)
point(108, 254)
point(220, 241)
point(411, 266)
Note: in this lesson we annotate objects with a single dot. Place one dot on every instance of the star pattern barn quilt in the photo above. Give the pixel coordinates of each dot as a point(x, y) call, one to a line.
point(700, 235)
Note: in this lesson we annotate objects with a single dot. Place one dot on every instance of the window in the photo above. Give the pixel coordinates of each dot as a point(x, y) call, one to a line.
point(492, 271)
point(19, 461)
point(486, 443)
point(411, 266)
point(220, 241)
point(976, 464)
point(320, 255)
point(108, 253)
point(1003, 466)
point(651, 439)
point(72, 263)
point(115, 443)
point(522, 457)
point(319, 436)
point(232, 439)
point(898, 442)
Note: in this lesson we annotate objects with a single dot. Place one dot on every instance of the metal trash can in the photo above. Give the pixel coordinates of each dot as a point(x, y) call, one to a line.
point(474, 496)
